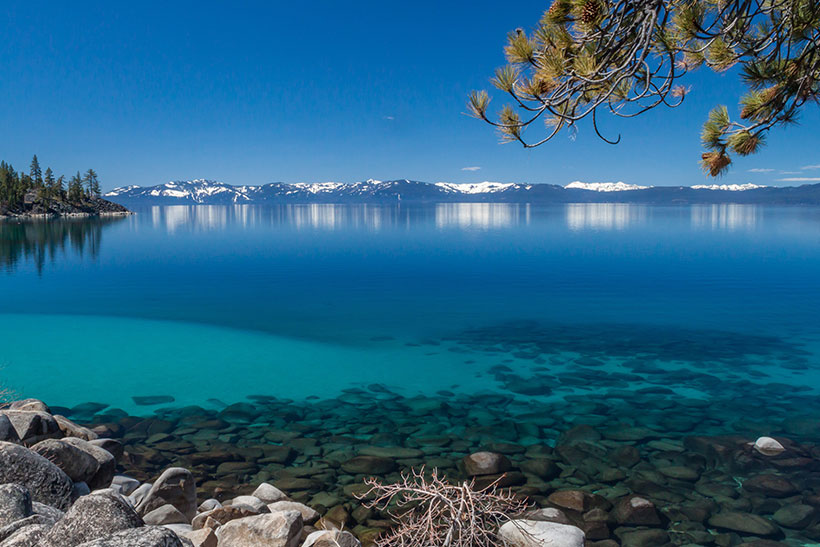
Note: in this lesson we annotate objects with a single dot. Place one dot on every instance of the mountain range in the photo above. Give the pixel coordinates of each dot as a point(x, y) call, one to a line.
point(208, 192)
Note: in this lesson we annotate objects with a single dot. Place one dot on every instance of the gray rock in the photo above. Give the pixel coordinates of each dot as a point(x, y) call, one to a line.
point(108, 464)
point(175, 486)
point(208, 505)
point(794, 515)
point(33, 426)
point(204, 537)
point(124, 484)
point(746, 523)
point(167, 514)
point(309, 516)
point(15, 503)
point(138, 495)
point(281, 529)
point(331, 538)
point(10, 529)
point(485, 463)
point(113, 446)
point(532, 533)
point(92, 517)
point(27, 536)
point(70, 429)
point(7, 431)
point(78, 464)
point(81, 489)
point(46, 482)
point(146, 536)
point(269, 493)
point(222, 515)
point(30, 404)
point(250, 501)
point(52, 513)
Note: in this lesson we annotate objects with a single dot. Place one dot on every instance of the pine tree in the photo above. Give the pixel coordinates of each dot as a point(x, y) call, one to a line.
point(35, 173)
point(59, 187)
point(92, 183)
point(75, 189)
point(50, 184)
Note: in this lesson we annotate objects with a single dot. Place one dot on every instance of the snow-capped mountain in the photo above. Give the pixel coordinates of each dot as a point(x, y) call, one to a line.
point(605, 186)
point(208, 192)
point(729, 187)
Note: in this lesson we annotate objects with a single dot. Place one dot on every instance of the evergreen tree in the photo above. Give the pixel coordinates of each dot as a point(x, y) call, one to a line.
point(585, 58)
point(35, 173)
point(92, 183)
point(59, 187)
point(50, 184)
point(75, 189)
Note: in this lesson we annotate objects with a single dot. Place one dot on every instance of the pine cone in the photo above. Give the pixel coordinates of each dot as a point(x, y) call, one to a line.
point(590, 12)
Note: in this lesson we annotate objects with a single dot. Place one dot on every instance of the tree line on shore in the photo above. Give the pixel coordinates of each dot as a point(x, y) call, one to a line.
point(19, 188)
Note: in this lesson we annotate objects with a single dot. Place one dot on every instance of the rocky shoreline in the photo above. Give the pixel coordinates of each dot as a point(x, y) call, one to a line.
point(273, 472)
point(51, 209)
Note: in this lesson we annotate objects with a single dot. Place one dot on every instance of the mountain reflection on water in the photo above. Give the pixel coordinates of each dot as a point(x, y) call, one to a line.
point(471, 216)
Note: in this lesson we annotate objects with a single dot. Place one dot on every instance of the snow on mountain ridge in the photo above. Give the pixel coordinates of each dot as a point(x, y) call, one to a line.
point(729, 187)
point(604, 186)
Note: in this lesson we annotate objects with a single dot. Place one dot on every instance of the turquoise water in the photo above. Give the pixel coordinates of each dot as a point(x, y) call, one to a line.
point(209, 305)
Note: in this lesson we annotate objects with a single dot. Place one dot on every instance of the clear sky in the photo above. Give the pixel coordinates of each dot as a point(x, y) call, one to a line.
point(254, 92)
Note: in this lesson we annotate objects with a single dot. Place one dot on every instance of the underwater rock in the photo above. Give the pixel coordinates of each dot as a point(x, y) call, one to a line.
point(768, 446)
point(485, 463)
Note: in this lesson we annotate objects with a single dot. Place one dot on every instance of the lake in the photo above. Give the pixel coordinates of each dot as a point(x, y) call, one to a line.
point(488, 324)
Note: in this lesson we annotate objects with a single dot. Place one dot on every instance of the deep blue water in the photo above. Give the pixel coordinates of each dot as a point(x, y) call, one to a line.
point(206, 302)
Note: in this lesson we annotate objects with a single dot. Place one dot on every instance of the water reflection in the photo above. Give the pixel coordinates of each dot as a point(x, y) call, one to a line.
point(604, 216)
point(482, 216)
point(729, 216)
point(45, 241)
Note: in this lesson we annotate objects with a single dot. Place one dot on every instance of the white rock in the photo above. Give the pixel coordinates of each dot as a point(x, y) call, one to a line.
point(269, 493)
point(531, 533)
point(124, 484)
point(768, 446)
point(331, 538)
point(281, 529)
point(250, 501)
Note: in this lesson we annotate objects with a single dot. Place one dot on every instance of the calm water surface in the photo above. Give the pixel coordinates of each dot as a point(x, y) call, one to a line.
point(209, 304)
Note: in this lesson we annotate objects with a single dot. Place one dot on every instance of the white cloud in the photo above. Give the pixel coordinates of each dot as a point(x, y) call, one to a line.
point(799, 179)
point(759, 170)
point(473, 168)
point(388, 118)
point(790, 172)
point(807, 167)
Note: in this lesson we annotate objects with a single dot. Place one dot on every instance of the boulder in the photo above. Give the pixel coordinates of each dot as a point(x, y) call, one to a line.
point(112, 446)
point(331, 538)
point(30, 404)
point(535, 533)
point(15, 503)
point(251, 501)
point(309, 516)
point(175, 486)
point(636, 511)
point(773, 486)
point(70, 429)
point(204, 537)
point(167, 514)
point(92, 517)
point(46, 482)
point(146, 536)
point(485, 463)
point(221, 515)
point(27, 536)
point(794, 515)
point(281, 529)
point(78, 464)
point(32, 426)
point(108, 464)
point(768, 446)
point(745, 523)
point(51, 513)
point(269, 493)
point(7, 431)
point(124, 484)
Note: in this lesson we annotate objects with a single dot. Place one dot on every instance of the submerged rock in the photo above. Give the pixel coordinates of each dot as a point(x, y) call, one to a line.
point(485, 463)
point(768, 446)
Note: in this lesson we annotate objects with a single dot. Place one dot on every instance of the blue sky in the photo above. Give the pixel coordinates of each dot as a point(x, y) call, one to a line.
point(255, 92)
